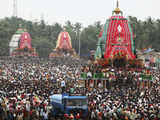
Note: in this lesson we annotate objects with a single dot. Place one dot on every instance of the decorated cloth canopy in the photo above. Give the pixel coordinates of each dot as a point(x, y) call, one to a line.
point(64, 41)
point(21, 44)
point(25, 41)
point(14, 43)
point(116, 38)
point(63, 46)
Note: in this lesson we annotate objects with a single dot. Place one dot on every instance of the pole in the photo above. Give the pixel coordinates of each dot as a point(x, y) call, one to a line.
point(79, 35)
point(15, 8)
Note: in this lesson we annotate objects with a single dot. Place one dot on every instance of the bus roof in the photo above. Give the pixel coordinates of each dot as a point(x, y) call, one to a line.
point(75, 97)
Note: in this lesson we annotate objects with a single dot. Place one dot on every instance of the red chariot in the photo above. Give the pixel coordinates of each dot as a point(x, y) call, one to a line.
point(116, 40)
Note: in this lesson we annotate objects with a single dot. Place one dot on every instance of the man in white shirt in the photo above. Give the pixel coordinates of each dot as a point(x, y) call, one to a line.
point(63, 84)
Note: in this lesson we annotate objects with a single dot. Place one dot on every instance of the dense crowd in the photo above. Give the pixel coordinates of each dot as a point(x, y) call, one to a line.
point(26, 84)
point(127, 103)
point(129, 96)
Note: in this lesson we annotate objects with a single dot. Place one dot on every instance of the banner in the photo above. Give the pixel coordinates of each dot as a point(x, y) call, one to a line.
point(95, 75)
point(83, 75)
point(98, 75)
point(146, 77)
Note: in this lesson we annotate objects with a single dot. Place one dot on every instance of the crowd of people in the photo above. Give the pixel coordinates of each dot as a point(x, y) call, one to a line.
point(26, 84)
point(129, 95)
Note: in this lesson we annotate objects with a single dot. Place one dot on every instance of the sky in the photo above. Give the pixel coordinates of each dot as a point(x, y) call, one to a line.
point(84, 11)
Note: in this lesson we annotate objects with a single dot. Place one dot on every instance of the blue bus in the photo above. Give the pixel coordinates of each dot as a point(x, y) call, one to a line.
point(66, 104)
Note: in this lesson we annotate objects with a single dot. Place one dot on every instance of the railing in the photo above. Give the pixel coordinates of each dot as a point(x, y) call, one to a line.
point(101, 76)
point(96, 76)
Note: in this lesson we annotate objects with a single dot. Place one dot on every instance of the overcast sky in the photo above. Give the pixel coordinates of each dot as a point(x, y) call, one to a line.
point(83, 11)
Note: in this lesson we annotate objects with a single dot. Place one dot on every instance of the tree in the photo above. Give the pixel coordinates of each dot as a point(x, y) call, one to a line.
point(44, 36)
point(70, 29)
point(77, 29)
point(89, 37)
point(43, 47)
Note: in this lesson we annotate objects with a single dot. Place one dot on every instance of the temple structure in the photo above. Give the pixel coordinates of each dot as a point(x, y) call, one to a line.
point(20, 44)
point(115, 47)
point(63, 46)
point(116, 40)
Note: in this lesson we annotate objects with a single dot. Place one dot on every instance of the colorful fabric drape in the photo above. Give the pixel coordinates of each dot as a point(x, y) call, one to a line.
point(117, 37)
point(64, 41)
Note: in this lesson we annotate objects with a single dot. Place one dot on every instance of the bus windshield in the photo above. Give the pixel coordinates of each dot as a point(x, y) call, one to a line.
point(76, 102)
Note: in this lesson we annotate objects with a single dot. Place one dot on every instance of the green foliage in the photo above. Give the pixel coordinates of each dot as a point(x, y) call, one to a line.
point(145, 32)
point(43, 47)
point(44, 36)
point(89, 37)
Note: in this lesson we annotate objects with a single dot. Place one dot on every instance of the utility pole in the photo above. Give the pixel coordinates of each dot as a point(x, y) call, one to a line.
point(15, 8)
point(79, 37)
point(117, 4)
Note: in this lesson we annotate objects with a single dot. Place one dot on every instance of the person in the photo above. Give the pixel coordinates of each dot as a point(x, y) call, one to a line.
point(63, 86)
point(78, 116)
point(93, 115)
point(71, 116)
point(24, 87)
point(45, 115)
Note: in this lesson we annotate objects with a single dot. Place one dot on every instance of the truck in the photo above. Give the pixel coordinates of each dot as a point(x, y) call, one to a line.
point(69, 104)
